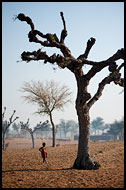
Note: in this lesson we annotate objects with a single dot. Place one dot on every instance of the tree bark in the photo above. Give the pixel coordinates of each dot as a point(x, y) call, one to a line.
point(53, 130)
point(83, 160)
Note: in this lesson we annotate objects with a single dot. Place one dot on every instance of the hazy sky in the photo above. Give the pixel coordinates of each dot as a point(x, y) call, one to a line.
point(101, 20)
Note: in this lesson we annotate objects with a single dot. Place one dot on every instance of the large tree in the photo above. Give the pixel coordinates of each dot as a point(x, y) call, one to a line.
point(49, 97)
point(84, 99)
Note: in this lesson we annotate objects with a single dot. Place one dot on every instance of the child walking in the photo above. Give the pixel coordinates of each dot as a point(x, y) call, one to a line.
point(43, 152)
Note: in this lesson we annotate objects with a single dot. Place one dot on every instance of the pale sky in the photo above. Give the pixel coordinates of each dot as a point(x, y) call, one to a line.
point(102, 20)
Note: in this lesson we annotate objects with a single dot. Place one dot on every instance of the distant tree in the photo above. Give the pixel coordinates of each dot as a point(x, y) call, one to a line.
point(97, 124)
point(73, 126)
point(84, 100)
point(105, 127)
point(48, 130)
point(64, 126)
point(116, 129)
point(25, 126)
point(16, 127)
point(122, 128)
point(23, 133)
point(59, 129)
point(43, 130)
point(67, 126)
point(49, 97)
point(6, 125)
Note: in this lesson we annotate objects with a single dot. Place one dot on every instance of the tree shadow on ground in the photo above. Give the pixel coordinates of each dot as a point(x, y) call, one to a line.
point(29, 170)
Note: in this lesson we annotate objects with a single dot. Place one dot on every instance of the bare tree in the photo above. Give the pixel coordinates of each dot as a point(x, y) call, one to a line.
point(6, 125)
point(49, 96)
point(84, 99)
point(25, 126)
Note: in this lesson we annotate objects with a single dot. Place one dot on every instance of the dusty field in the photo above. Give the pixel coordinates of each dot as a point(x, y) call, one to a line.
point(23, 168)
point(26, 143)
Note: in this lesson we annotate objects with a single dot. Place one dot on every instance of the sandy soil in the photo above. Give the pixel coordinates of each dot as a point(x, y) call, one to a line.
point(23, 168)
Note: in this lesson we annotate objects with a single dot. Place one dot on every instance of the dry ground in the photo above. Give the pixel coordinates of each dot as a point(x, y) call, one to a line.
point(23, 168)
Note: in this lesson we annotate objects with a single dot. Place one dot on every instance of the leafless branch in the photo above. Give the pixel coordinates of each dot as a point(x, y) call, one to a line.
point(39, 55)
point(90, 43)
point(113, 77)
point(120, 67)
point(12, 116)
point(15, 119)
point(25, 125)
point(67, 60)
point(4, 112)
point(27, 19)
point(64, 31)
point(105, 81)
point(51, 39)
point(98, 66)
point(10, 120)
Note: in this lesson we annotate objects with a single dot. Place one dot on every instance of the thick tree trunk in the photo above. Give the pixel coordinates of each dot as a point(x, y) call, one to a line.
point(53, 130)
point(83, 160)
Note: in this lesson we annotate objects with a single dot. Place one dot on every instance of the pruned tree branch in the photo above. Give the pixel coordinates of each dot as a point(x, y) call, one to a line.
point(24, 124)
point(22, 17)
point(64, 24)
point(12, 116)
point(10, 119)
point(113, 77)
point(51, 39)
point(67, 60)
point(105, 81)
point(3, 112)
point(98, 66)
point(39, 55)
point(90, 43)
point(64, 31)
point(120, 67)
